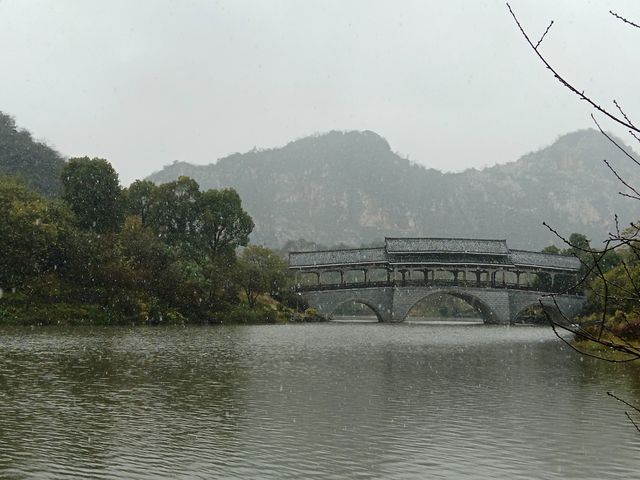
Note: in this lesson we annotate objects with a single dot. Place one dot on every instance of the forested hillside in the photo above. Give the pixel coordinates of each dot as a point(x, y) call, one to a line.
point(350, 187)
point(36, 163)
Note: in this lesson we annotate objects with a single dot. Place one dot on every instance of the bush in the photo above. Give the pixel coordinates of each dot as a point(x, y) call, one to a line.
point(53, 314)
point(242, 313)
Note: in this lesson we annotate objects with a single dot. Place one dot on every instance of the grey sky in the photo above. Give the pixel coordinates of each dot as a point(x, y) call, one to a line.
point(450, 84)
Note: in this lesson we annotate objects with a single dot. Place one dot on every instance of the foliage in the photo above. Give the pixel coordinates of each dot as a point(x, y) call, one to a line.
point(223, 225)
point(38, 165)
point(260, 271)
point(173, 209)
point(31, 231)
point(144, 255)
point(91, 189)
point(552, 250)
point(137, 199)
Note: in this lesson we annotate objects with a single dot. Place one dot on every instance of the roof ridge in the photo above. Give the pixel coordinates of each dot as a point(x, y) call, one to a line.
point(337, 250)
point(448, 238)
point(543, 253)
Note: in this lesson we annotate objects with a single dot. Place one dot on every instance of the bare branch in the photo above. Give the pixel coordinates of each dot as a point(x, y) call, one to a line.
point(544, 34)
point(623, 401)
point(633, 354)
point(632, 421)
point(611, 291)
point(622, 111)
point(565, 83)
point(620, 17)
point(614, 142)
point(621, 180)
point(628, 196)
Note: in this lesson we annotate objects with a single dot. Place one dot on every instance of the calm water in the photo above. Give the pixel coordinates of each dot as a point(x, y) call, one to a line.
point(328, 401)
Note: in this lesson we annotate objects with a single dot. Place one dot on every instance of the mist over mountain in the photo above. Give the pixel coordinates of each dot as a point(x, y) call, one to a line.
point(350, 187)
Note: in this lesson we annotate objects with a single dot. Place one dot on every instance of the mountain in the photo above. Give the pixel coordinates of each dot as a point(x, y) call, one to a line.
point(36, 163)
point(350, 187)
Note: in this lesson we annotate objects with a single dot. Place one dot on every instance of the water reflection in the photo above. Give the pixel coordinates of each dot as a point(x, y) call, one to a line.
point(313, 401)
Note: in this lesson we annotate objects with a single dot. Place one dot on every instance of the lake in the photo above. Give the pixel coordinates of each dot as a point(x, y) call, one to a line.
point(325, 401)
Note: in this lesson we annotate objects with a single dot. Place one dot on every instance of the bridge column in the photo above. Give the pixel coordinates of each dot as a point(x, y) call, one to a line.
point(341, 277)
point(499, 302)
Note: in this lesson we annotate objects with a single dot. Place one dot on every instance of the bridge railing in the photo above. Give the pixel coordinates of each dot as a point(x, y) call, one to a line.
point(430, 283)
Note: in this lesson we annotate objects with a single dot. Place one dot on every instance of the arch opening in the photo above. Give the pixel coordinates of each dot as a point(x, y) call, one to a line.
point(355, 311)
point(449, 307)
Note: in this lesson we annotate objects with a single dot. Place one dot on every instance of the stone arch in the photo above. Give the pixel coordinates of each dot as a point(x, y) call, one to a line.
point(355, 300)
point(486, 312)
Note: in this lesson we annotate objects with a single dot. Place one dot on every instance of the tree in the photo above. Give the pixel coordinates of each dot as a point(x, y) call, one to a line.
point(596, 260)
point(173, 208)
point(30, 231)
point(224, 225)
point(138, 198)
point(551, 249)
point(612, 270)
point(259, 271)
point(92, 190)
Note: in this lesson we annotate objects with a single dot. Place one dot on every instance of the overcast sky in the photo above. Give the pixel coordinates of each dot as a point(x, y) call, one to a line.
point(450, 84)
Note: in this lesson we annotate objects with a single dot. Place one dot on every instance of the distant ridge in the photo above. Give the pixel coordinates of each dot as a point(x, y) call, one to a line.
point(349, 187)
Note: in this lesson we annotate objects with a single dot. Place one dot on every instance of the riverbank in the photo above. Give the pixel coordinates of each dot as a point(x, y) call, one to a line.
point(617, 340)
point(613, 349)
point(17, 309)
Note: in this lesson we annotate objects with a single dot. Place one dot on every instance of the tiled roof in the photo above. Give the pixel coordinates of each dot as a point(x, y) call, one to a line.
point(453, 245)
point(434, 250)
point(545, 260)
point(337, 257)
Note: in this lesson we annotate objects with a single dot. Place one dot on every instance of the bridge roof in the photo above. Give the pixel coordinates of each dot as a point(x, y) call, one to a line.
point(338, 257)
point(524, 258)
point(398, 251)
point(446, 245)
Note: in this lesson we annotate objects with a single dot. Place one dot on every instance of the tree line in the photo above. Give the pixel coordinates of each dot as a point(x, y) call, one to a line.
point(146, 254)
